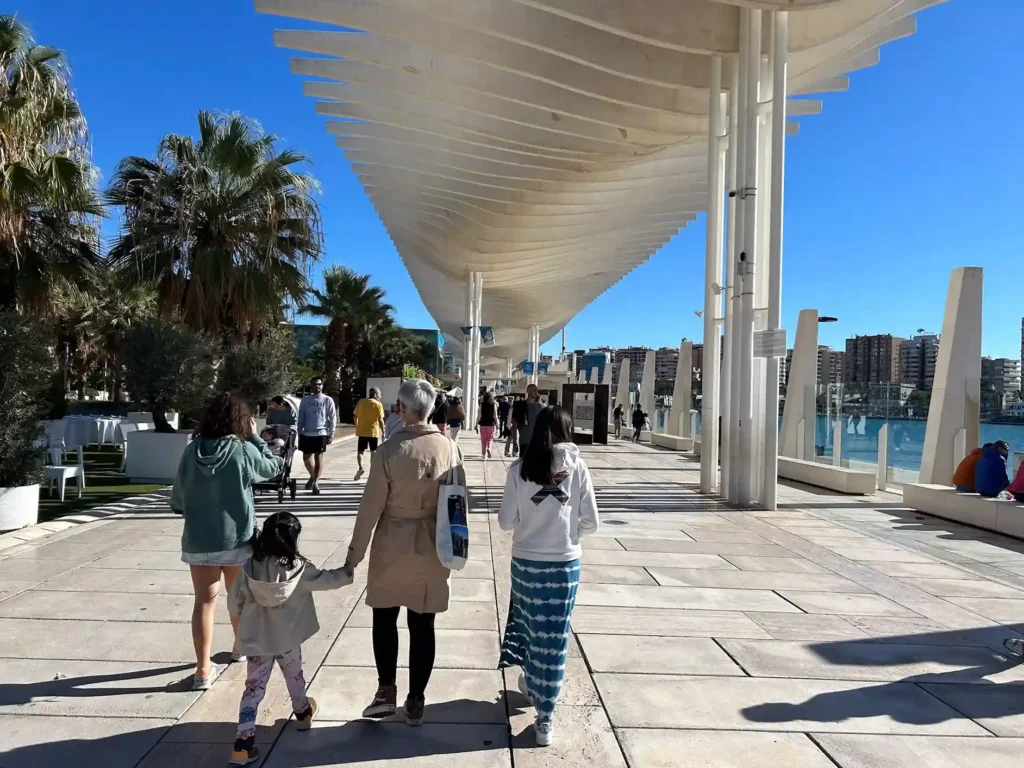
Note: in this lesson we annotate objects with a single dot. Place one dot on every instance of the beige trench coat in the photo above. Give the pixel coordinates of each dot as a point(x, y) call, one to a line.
point(399, 510)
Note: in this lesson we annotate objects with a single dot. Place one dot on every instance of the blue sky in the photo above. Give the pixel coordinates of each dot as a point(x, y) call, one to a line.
point(914, 171)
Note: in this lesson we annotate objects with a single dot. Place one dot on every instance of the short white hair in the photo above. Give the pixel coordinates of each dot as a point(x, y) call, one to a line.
point(418, 396)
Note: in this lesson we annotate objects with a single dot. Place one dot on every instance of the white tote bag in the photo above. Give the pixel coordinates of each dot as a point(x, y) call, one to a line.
point(453, 519)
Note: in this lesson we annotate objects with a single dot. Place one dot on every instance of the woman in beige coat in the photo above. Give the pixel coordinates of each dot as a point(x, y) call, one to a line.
point(399, 511)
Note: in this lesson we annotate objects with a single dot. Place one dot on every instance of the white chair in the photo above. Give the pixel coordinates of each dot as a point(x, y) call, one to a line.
point(55, 439)
point(61, 474)
point(126, 427)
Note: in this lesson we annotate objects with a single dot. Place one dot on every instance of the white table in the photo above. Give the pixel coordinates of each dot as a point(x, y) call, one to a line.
point(88, 430)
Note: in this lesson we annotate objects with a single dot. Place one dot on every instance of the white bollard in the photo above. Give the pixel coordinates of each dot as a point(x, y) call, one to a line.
point(882, 477)
point(837, 443)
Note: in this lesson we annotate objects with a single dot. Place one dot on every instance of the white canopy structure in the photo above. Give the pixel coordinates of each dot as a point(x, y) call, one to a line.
point(525, 155)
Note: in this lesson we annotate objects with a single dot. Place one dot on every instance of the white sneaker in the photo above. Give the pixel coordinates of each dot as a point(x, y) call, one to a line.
point(524, 689)
point(545, 733)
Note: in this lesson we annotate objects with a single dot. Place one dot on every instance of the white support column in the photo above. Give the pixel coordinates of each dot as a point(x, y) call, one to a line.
point(837, 439)
point(956, 394)
point(747, 265)
point(798, 417)
point(535, 352)
point(467, 355)
point(647, 385)
point(882, 473)
point(737, 137)
point(622, 391)
point(780, 65)
point(682, 393)
point(712, 274)
point(477, 341)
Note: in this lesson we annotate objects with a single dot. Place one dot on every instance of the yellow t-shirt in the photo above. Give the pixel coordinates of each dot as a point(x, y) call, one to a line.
point(369, 416)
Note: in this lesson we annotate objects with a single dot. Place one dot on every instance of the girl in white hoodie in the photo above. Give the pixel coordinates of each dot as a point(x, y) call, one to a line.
point(549, 503)
point(273, 602)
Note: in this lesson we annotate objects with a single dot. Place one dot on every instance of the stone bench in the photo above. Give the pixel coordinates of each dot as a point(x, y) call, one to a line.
point(842, 479)
point(1006, 517)
point(672, 442)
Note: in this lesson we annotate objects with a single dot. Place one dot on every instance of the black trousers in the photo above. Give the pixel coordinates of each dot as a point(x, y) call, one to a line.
point(421, 647)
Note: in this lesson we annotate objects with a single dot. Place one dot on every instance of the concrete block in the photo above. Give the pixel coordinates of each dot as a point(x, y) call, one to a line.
point(915, 751)
point(666, 622)
point(841, 479)
point(657, 655)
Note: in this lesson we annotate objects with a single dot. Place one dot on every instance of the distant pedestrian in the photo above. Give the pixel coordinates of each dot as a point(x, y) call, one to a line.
point(439, 416)
point(369, 418)
point(318, 419)
point(456, 418)
point(394, 422)
point(486, 422)
point(639, 420)
point(618, 417)
point(272, 601)
point(533, 407)
point(504, 409)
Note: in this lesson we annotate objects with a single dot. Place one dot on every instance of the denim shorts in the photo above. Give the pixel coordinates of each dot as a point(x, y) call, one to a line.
point(228, 557)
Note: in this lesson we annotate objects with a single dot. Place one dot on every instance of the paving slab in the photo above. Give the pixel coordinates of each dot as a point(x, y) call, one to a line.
point(456, 649)
point(35, 571)
point(696, 598)
point(775, 564)
point(657, 655)
point(666, 622)
point(921, 570)
point(472, 590)
point(997, 609)
point(583, 737)
point(105, 640)
point(747, 703)
point(965, 588)
point(213, 719)
point(919, 631)
point(703, 547)
point(872, 661)
point(808, 626)
point(453, 695)
point(40, 604)
point(385, 745)
point(861, 605)
point(597, 543)
point(122, 580)
point(135, 560)
point(661, 559)
point(43, 741)
point(919, 751)
point(654, 748)
point(1000, 708)
point(894, 555)
point(95, 688)
point(822, 582)
point(616, 574)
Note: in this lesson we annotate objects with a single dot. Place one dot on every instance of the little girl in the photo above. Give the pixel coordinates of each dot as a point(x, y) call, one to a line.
point(549, 503)
point(273, 601)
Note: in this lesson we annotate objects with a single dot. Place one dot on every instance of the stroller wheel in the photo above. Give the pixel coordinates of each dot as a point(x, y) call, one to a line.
point(293, 487)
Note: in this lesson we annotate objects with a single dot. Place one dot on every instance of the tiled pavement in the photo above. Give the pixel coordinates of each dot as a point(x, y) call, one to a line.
point(835, 631)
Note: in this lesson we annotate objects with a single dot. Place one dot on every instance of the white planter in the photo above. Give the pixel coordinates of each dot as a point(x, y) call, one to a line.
point(153, 457)
point(146, 417)
point(19, 507)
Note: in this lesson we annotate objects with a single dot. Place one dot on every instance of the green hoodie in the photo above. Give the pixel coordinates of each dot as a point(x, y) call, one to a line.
point(213, 491)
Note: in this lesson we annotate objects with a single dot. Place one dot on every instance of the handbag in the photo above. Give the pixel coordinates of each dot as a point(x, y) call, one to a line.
point(452, 518)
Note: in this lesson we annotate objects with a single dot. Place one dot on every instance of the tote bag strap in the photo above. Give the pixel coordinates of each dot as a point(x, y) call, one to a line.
point(453, 463)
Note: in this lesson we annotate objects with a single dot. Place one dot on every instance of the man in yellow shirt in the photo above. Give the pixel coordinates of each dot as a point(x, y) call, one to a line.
point(369, 417)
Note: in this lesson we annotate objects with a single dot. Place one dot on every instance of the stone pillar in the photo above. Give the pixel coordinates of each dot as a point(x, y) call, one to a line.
point(593, 375)
point(647, 385)
point(956, 393)
point(802, 375)
point(622, 392)
point(682, 393)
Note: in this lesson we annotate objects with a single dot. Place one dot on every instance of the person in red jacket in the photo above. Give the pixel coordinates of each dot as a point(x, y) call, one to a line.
point(963, 478)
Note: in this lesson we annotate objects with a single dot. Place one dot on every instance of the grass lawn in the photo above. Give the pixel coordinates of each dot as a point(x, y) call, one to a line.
point(104, 484)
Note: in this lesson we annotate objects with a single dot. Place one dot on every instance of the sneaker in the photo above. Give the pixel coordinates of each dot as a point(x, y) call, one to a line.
point(309, 483)
point(525, 689)
point(238, 658)
point(304, 720)
point(488, 453)
point(1014, 646)
point(244, 752)
point(545, 733)
point(359, 474)
point(384, 703)
point(413, 711)
point(315, 490)
point(205, 683)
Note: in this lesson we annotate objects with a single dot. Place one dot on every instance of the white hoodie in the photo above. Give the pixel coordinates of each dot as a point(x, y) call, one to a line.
point(549, 520)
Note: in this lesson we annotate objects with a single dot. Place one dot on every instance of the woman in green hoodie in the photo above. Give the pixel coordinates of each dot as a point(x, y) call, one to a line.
point(213, 492)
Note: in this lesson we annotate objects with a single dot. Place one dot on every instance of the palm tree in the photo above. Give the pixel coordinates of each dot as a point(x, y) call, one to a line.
point(224, 225)
point(47, 200)
point(351, 305)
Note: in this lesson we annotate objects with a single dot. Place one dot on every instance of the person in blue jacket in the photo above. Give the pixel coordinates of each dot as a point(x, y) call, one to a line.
point(990, 476)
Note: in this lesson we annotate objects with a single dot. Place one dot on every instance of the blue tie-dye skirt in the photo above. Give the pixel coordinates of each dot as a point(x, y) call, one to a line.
point(537, 633)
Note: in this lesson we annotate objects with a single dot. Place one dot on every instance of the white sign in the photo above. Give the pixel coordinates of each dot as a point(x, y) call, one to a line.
point(770, 343)
point(583, 414)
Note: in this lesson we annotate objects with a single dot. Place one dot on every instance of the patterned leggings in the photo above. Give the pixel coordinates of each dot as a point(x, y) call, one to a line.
point(258, 674)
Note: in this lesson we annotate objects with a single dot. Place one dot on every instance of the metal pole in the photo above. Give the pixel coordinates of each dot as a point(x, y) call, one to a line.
point(467, 355)
point(479, 309)
point(712, 274)
point(780, 65)
point(736, 244)
point(748, 261)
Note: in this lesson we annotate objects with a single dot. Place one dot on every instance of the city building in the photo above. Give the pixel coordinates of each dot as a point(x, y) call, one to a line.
point(595, 359)
point(666, 361)
point(636, 357)
point(873, 359)
point(698, 364)
point(307, 337)
point(1001, 375)
point(831, 363)
point(918, 356)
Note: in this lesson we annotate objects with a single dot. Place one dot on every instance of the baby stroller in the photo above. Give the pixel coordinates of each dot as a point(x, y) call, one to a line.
point(284, 442)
